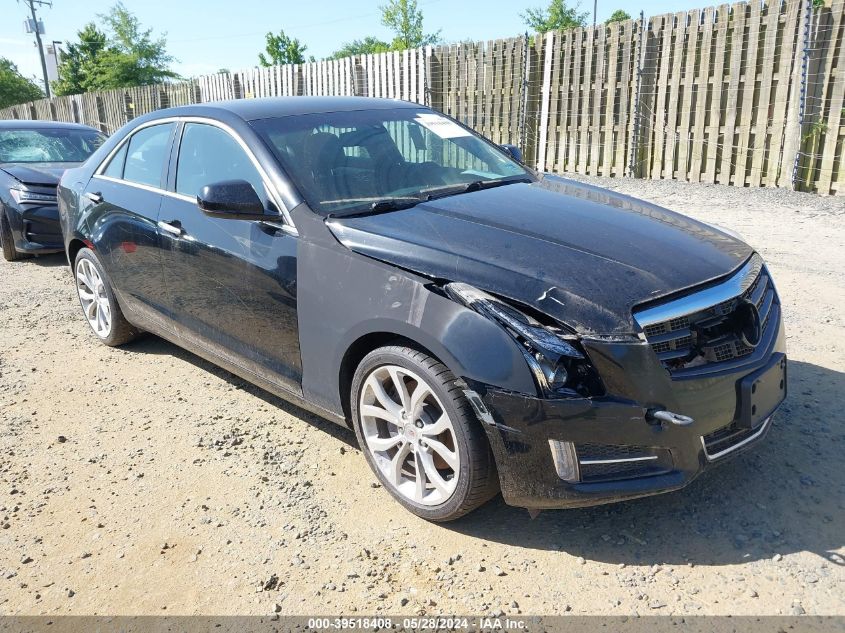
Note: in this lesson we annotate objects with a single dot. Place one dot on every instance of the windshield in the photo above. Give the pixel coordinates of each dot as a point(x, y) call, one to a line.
point(345, 162)
point(46, 145)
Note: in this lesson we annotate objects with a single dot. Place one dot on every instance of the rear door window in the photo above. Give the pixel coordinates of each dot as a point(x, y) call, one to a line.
point(147, 153)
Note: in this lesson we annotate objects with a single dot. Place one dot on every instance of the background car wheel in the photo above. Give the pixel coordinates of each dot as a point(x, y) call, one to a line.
point(420, 435)
point(7, 241)
point(98, 301)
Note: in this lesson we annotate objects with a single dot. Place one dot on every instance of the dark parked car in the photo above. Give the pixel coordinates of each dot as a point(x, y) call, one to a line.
point(480, 326)
point(33, 156)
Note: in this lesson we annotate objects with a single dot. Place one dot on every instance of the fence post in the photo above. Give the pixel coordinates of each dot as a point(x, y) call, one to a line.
point(523, 97)
point(101, 115)
point(635, 128)
point(434, 78)
point(425, 69)
point(545, 94)
point(360, 78)
point(128, 107)
point(802, 98)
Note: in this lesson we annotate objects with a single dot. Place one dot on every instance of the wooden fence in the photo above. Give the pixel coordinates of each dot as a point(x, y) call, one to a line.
point(749, 94)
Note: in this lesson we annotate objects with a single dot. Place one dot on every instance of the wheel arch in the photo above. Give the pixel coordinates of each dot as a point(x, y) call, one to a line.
point(358, 350)
point(73, 247)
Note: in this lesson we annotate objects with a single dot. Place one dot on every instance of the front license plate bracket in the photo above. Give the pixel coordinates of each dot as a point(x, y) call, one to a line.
point(762, 392)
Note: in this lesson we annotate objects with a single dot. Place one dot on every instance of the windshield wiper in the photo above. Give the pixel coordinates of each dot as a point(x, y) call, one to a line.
point(384, 205)
point(396, 204)
point(478, 185)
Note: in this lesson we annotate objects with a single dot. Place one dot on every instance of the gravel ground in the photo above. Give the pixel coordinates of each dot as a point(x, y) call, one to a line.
point(144, 480)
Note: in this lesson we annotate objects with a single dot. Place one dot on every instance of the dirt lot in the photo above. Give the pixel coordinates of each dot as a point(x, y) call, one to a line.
point(146, 481)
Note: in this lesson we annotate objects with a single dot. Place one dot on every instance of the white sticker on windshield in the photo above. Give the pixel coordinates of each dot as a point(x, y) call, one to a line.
point(440, 125)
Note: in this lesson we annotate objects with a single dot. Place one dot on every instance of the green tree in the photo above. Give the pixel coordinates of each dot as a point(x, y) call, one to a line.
point(406, 21)
point(618, 16)
point(134, 56)
point(282, 49)
point(80, 60)
point(14, 87)
point(361, 47)
point(125, 54)
point(558, 16)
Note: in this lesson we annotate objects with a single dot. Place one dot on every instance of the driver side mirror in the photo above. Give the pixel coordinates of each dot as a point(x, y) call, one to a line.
point(514, 151)
point(231, 199)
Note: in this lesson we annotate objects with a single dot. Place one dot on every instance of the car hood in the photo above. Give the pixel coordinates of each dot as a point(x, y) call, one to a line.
point(583, 255)
point(37, 173)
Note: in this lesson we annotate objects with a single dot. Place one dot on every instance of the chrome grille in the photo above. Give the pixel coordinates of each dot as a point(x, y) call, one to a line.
point(681, 331)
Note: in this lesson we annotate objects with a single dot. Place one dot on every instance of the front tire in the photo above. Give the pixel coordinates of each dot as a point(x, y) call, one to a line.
point(420, 435)
point(7, 240)
point(99, 305)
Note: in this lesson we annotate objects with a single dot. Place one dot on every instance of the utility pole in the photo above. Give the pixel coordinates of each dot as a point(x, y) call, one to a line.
point(31, 4)
point(595, 10)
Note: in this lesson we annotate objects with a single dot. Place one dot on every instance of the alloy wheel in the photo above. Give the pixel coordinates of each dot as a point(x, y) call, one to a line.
point(410, 435)
point(94, 298)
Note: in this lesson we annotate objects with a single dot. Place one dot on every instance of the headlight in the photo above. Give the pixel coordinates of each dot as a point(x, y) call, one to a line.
point(24, 195)
point(560, 368)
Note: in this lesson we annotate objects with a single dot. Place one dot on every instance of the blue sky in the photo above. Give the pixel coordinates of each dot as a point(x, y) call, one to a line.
point(205, 35)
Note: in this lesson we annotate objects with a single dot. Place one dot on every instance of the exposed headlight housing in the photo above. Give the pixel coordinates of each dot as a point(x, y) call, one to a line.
point(560, 368)
point(22, 195)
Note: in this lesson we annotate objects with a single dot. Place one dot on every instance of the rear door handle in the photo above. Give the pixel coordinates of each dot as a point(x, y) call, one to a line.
point(173, 227)
point(94, 196)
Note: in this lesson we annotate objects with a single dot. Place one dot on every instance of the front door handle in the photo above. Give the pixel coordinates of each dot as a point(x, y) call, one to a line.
point(94, 196)
point(174, 227)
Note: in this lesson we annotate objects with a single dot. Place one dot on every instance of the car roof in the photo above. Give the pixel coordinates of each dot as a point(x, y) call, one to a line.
point(26, 124)
point(274, 107)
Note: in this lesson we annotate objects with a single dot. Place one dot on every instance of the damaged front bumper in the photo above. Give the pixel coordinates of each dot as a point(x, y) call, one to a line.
point(555, 453)
point(35, 228)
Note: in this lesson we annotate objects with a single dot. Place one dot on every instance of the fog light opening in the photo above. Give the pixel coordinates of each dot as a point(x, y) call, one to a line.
point(566, 462)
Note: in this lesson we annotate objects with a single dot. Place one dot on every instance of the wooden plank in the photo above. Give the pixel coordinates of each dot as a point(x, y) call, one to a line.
point(471, 73)
point(554, 137)
point(676, 72)
point(700, 147)
point(547, 50)
point(582, 164)
point(504, 77)
point(562, 98)
point(596, 88)
point(738, 15)
point(759, 158)
point(614, 71)
point(478, 110)
point(833, 116)
point(626, 86)
point(685, 140)
point(723, 16)
point(657, 149)
point(577, 95)
point(746, 117)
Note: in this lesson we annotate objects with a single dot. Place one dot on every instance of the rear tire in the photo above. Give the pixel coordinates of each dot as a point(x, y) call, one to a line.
point(99, 305)
point(7, 241)
point(412, 418)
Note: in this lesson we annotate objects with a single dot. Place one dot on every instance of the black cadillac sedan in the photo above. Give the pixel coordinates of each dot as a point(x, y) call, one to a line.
point(33, 156)
point(480, 326)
